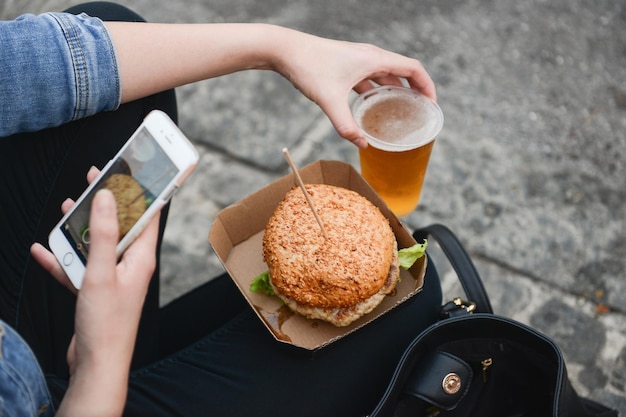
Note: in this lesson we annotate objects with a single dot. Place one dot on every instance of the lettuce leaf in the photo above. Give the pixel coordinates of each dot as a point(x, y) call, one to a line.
point(408, 256)
point(261, 284)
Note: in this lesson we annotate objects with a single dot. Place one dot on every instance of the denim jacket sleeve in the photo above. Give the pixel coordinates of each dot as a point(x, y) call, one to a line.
point(55, 68)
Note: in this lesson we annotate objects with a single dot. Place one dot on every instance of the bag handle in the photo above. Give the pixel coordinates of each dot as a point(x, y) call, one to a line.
point(461, 262)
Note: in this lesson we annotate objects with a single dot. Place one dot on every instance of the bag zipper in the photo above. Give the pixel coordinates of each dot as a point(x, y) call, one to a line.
point(486, 363)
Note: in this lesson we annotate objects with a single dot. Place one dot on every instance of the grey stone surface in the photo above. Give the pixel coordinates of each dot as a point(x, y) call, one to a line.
point(529, 170)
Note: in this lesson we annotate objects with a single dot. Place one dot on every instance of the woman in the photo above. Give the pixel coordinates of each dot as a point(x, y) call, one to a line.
point(64, 77)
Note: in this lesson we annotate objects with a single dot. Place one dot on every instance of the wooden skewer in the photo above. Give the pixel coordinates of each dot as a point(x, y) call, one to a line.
point(306, 194)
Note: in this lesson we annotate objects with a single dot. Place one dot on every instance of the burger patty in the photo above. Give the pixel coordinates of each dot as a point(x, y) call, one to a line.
point(343, 316)
point(347, 270)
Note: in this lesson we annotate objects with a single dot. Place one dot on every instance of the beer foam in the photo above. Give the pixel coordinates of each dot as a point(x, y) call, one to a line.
point(396, 119)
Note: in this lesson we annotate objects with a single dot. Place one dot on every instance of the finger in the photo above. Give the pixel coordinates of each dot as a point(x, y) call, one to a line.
point(92, 174)
point(395, 67)
point(364, 86)
point(343, 121)
point(388, 80)
point(49, 262)
point(67, 205)
point(103, 232)
point(147, 239)
point(419, 79)
point(338, 112)
point(139, 260)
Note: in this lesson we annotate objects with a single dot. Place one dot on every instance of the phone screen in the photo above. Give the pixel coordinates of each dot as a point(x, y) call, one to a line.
point(136, 178)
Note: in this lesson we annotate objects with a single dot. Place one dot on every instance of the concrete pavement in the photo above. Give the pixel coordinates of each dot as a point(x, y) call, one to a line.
point(529, 169)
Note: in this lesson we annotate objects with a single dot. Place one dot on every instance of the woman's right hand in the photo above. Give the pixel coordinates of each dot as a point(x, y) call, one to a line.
point(327, 70)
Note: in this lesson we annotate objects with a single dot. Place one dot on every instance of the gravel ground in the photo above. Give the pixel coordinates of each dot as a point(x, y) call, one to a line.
point(528, 170)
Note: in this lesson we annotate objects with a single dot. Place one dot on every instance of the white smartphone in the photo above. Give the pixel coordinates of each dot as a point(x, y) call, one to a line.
point(143, 176)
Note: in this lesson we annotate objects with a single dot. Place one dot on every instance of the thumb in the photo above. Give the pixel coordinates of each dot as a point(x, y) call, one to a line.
point(103, 233)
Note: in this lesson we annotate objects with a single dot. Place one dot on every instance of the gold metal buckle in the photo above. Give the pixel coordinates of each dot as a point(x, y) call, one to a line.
point(468, 306)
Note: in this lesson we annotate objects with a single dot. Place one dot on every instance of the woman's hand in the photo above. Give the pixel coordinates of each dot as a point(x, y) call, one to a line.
point(108, 309)
point(326, 71)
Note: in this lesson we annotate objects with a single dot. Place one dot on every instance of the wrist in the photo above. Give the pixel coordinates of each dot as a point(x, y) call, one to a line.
point(95, 397)
point(268, 46)
point(97, 389)
point(279, 46)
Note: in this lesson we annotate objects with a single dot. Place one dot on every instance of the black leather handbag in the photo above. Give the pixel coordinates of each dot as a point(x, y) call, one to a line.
point(475, 363)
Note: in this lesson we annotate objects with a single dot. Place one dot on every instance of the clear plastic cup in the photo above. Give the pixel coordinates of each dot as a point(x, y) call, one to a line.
point(400, 126)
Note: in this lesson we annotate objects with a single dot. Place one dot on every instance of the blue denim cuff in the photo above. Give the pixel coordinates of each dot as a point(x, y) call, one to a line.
point(94, 61)
point(55, 68)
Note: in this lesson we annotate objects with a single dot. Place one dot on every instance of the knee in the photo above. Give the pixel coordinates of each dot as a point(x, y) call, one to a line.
point(107, 11)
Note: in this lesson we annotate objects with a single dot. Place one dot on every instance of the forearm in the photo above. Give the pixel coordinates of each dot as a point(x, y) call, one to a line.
point(153, 57)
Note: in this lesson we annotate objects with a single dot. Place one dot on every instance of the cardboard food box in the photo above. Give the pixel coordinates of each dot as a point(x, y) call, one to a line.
point(236, 237)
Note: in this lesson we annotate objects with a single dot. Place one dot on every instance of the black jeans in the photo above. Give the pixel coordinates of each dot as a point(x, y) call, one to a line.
point(204, 354)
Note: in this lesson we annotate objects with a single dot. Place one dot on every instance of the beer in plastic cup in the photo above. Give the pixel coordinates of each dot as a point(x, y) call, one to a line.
point(400, 126)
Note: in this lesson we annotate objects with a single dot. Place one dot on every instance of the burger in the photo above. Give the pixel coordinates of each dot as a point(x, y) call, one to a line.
point(337, 274)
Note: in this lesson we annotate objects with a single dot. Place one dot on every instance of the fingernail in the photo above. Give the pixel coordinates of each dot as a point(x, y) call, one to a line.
point(104, 202)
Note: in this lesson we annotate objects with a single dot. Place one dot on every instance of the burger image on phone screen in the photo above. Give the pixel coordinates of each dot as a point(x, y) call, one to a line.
point(337, 278)
point(130, 198)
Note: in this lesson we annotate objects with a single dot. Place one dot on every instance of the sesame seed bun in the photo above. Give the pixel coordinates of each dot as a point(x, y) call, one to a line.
point(347, 272)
